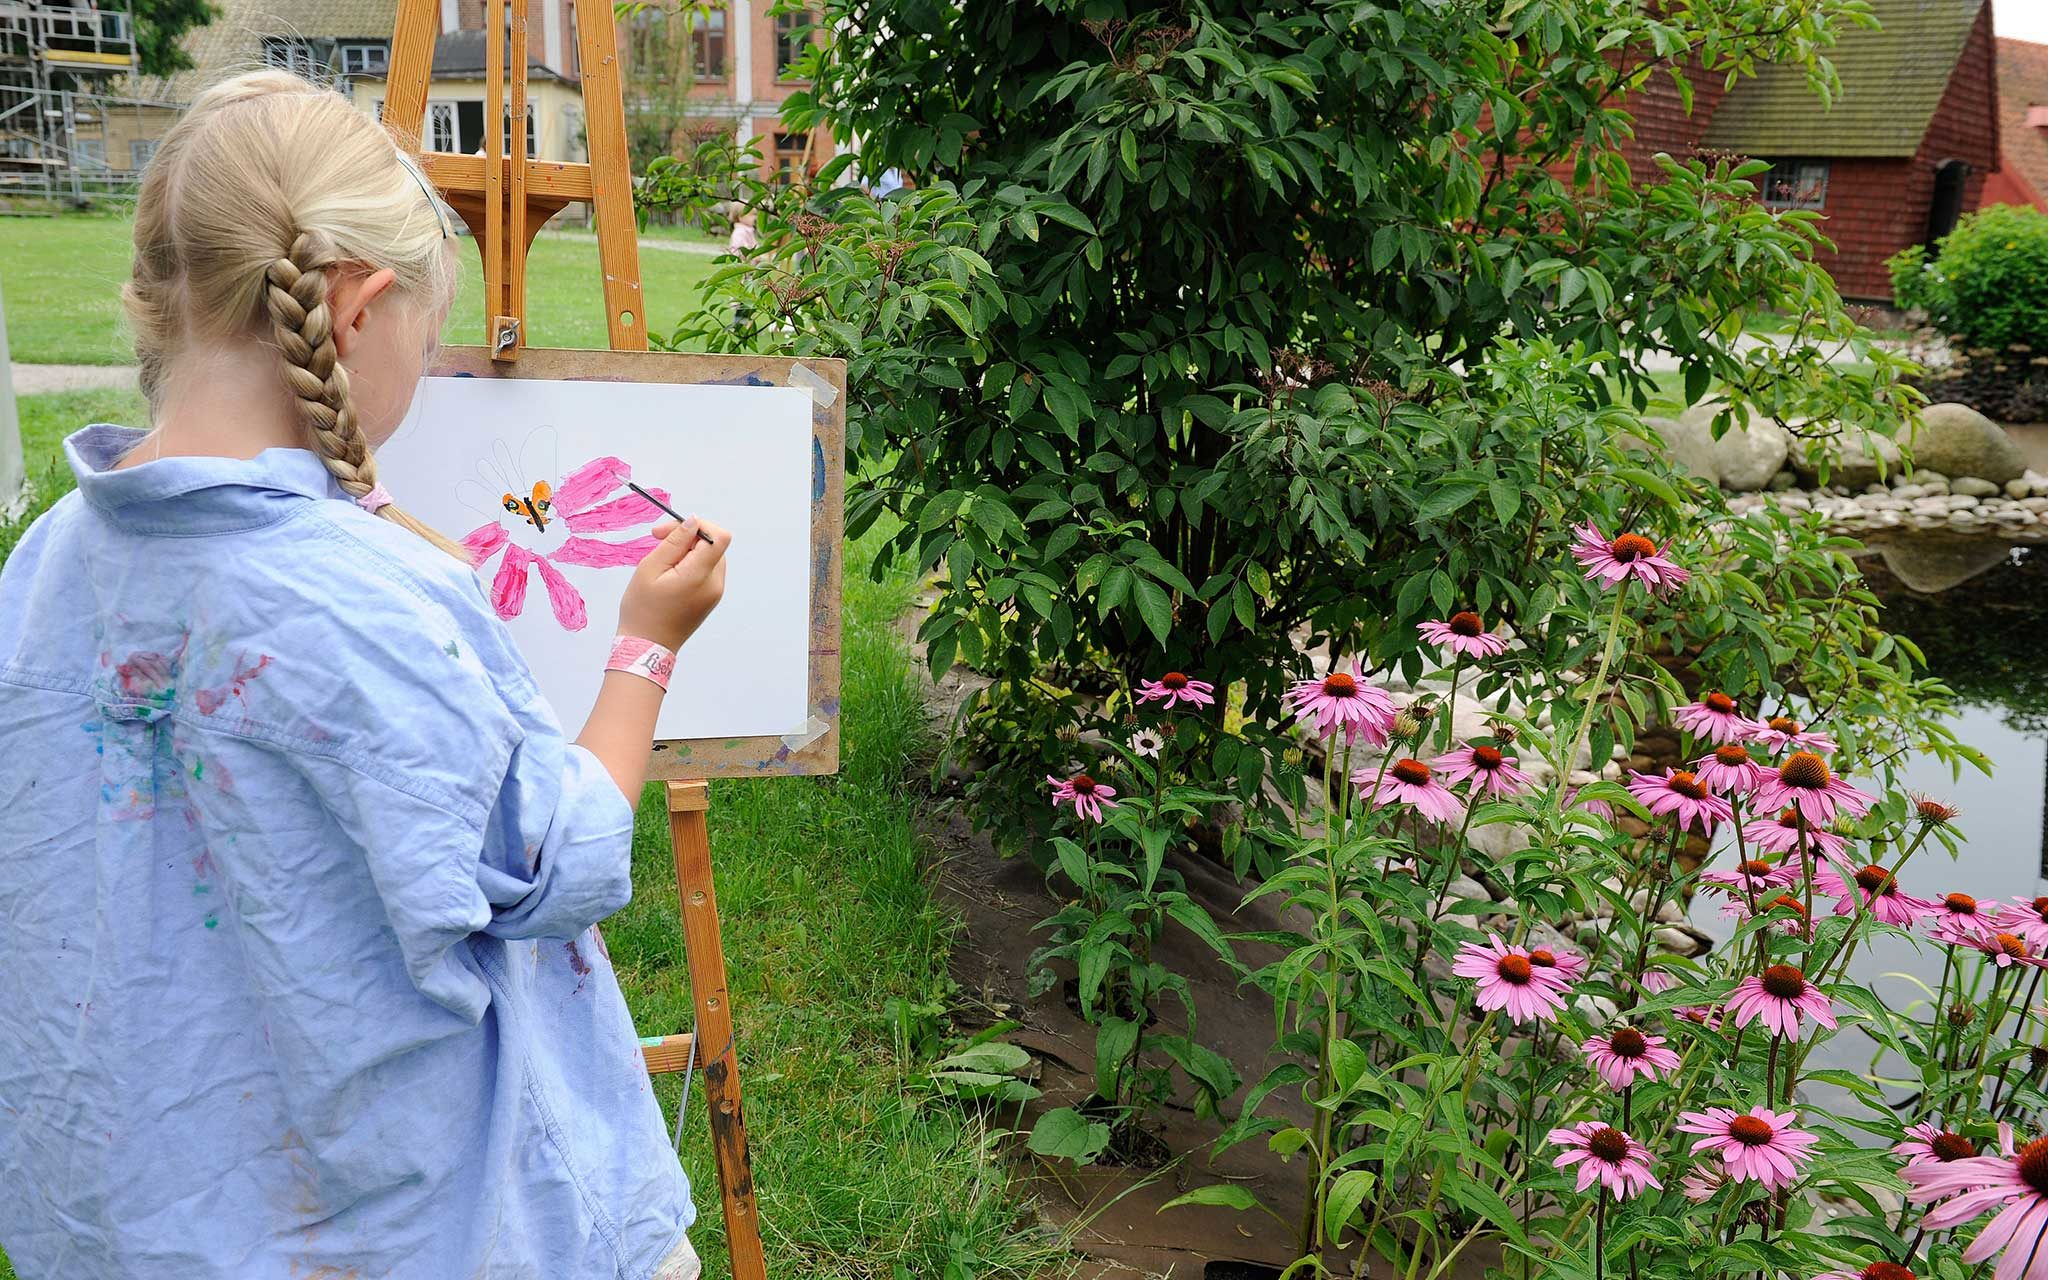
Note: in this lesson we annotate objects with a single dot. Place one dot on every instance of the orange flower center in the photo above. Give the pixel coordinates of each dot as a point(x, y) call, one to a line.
point(1466, 623)
point(1784, 981)
point(1750, 1131)
point(1934, 811)
point(1413, 772)
point(1543, 959)
point(1628, 1043)
point(1609, 1145)
point(1734, 755)
point(1631, 546)
point(1516, 970)
point(1486, 758)
point(2041, 908)
point(1082, 784)
point(1174, 680)
point(1756, 867)
point(1952, 1146)
point(1786, 724)
point(1873, 878)
point(1686, 785)
point(1339, 684)
point(1804, 770)
point(1961, 904)
point(1720, 702)
point(2012, 945)
point(2034, 1165)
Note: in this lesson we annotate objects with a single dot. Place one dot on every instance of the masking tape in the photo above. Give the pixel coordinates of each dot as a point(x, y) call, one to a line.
point(814, 728)
point(806, 379)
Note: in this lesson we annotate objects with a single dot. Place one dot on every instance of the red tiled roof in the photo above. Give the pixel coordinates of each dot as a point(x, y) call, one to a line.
point(2023, 93)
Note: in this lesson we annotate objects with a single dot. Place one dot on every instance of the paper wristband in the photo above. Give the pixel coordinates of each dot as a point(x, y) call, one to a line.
point(642, 658)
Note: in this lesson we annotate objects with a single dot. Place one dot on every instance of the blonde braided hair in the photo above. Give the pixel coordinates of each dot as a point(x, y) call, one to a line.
point(266, 187)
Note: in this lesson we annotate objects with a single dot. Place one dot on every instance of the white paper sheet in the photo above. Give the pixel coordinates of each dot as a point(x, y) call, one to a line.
point(738, 456)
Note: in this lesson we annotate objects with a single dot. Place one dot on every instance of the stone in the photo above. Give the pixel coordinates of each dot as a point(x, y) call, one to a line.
point(1782, 481)
point(1855, 462)
point(1931, 567)
point(2020, 488)
point(1959, 441)
point(1680, 942)
point(1688, 446)
point(1926, 476)
point(1960, 501)
point(1747, 457)
point(1975, 487)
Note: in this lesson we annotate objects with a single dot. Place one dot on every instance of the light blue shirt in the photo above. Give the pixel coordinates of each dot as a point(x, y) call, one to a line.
point(298, 887)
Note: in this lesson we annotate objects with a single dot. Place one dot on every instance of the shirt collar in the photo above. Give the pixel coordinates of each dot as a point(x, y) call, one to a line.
point(192, 495)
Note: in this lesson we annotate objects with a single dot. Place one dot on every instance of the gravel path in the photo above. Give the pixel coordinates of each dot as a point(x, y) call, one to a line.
point(36, 379)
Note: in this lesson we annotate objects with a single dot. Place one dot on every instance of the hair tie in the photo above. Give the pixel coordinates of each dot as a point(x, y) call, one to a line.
point(377, 497)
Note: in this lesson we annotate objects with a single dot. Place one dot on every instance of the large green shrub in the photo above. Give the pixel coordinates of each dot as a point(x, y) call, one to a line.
point(1989, 284)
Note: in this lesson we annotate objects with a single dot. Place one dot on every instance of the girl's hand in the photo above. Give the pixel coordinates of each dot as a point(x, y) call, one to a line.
point(677, 585)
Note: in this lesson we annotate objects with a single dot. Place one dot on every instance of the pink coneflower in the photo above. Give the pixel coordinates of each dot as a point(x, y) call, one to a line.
point(1750, 878)
point(1929, 1143)
point(1174, 687)
point(1875, 888)
point(1411, 782)
point(1464, 634)
point(1958, 917)
point(1605, 1155)
point(1759, 1146)
point(1088, 796)
point(2016, 1184)
point(1700, 1184)
point(1615, 560)
point(1680, 793)
point(1492, 773)
point(1597, 807)
point(1792, 911)
point(1508, 981)
point(1569, 966)
point(1880, 1270)
point(1729, 770)
point(1778, 996)
point(1781, 732)
point(1780, 834)
point(2005, 949)
point(1342, 700)
point(1657, 982)
point(1929, 812)
point(2027, 919)
point(1804, 782)
point(1624, 1055)
point(1715, 718)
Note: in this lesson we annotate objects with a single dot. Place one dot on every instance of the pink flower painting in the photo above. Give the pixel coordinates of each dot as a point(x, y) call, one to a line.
point(548, 522)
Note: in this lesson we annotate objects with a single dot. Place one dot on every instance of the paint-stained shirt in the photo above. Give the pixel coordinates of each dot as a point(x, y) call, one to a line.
point(299, 879)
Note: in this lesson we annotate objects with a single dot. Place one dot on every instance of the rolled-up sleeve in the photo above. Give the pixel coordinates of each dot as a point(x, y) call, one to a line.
point(557, 856)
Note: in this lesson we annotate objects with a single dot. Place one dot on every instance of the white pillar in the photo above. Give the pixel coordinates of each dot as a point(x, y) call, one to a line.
point(551, 36)
point(743, 56)
point(451, 16)
point(12, 471)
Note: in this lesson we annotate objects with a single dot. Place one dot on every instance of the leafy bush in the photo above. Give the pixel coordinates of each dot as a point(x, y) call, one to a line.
point(1989, 284)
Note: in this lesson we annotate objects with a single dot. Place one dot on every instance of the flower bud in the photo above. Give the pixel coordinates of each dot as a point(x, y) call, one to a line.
point(1961, 1014)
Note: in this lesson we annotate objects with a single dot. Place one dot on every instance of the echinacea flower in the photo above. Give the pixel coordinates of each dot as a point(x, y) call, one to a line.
point(1606, 1155)
point(2005, 949)
point(1729, 770)
point(1657, 981)
point(1792, 912)
point(1780, 732)
point(2027, 919)
point(1595, 807)
point(1778, 996)
point(1507, 980)
point(1780, 834)
point(1464, 634)
point(1342, 700)
point(1088, 796)
point(1680, 793)
point(1958, 917)
point(1174, 687)
point(1876, 889)
point(1411, 782)
point(1883, 1269)
point(1569, 966)
point(1929, 1143)
point(1929, 812)
point(1752, 877)
point(1492, 773)
point(581, 504)
point(1804, 782)
point(2016, 1184)
point(1715, 718)
point(1147, 743)
point(1626, 1054)
point(1760, 1146)
point(1614, 561)
point(1700, 1184)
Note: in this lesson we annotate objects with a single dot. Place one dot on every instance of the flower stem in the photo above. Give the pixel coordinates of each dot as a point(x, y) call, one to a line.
point(1600, 1236)
point(1564, 764)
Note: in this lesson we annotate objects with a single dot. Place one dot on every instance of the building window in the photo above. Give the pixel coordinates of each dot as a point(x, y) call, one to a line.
point(292, 54)
point(792, 37)
point(365, 58)
point(1796, 184)
point(440, 126)
point(707, 45)
point(792, 155)
point(140, 152)
point(91, 153)
point(505, 133)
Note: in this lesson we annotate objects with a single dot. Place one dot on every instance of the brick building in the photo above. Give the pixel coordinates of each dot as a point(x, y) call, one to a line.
point(1901, 154)
point(729, 68)
point(2022, 176)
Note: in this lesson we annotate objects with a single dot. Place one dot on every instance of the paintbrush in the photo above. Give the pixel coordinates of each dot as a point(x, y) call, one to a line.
point(671, 511)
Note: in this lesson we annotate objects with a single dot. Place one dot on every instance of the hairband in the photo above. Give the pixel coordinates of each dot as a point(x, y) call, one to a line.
point(433, 201)
point(377, 498)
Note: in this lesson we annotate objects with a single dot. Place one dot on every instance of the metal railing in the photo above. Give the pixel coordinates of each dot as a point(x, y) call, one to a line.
point(40, 31)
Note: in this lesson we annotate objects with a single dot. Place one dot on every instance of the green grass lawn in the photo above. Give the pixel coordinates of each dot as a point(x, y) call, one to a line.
point(827, 918)
point(62, 280)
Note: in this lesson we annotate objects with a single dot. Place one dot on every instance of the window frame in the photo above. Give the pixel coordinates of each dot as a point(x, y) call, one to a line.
point(381, 65)
point(1808, 191)
point(787, 52)
point(711, 36)
point(440, 115)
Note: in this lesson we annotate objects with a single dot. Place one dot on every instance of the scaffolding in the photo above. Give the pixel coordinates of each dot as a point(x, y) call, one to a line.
point(64, 135)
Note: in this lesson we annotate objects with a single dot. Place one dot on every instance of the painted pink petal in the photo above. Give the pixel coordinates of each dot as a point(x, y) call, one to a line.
point(508, 589)
point(619, 513)
point(599, 554)
point(568, 601)
point(485, 541)
point(589, 483)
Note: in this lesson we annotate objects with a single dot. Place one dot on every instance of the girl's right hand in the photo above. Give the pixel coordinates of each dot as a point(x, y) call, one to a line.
point(677, 585)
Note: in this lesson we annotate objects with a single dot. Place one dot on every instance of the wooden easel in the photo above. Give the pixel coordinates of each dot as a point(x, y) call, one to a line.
point(505, 200)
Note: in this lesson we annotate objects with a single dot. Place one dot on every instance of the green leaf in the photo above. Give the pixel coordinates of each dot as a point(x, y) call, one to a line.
point(1154, 607)
point(1345, 1195)
point(1066, 1134)
point(1226, 1195)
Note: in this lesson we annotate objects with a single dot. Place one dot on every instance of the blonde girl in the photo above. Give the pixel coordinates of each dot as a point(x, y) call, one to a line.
point(298, 873)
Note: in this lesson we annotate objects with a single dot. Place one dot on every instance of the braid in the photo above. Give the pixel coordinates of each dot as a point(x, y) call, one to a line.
point(295, 294)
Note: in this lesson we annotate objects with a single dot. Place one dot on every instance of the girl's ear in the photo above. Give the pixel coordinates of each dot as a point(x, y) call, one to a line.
point(348, 299)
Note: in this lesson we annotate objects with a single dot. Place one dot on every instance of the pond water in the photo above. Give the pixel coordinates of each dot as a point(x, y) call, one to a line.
point(1987, 638)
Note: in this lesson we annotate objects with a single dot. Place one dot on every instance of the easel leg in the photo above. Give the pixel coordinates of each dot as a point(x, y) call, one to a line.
point(717, 1055)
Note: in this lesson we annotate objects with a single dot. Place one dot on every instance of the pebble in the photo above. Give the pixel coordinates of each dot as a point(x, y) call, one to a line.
point(1931, 501)
point(1974, 487)
point(2019, 489)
